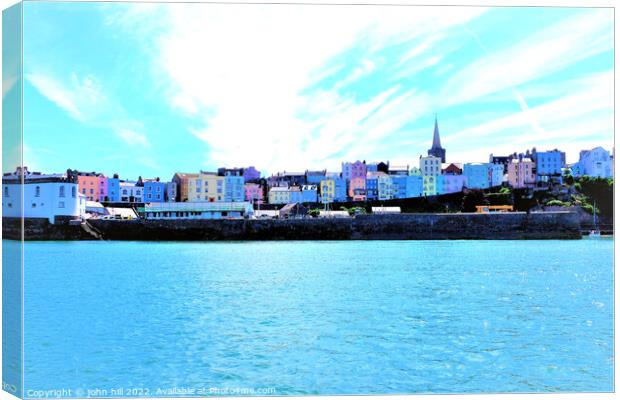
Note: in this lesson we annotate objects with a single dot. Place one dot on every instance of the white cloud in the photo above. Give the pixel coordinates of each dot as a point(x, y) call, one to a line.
point(67, 98)
point(133, 138)
point(242, 70)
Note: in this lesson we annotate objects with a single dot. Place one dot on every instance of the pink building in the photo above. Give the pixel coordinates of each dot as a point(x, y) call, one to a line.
point(354, 170)
point(253, 192)
point(357, 188)
point(93, 185)
point(522, 173)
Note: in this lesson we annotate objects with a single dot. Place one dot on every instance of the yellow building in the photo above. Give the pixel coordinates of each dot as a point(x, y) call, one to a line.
point(207, 186)
point(328, 190)
point(182, 180)
point(430, 167)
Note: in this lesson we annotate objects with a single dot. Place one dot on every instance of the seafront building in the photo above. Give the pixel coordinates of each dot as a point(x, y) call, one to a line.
point(131, 192)
point(309, 193)
point(477, 175)
point(207, 186)
point(253, 192)
point(154, 190)
point(522, 173)
point(596, 162)
point(182, 179)
point(430, 167)
point(233, 184)
point(549, 165)
point(93, 185)
point(196, 210)
point(54, 197)
point(114, 189)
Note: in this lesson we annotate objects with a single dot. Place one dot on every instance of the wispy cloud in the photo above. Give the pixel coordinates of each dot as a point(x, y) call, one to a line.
point(248, 93)
point(132, 137)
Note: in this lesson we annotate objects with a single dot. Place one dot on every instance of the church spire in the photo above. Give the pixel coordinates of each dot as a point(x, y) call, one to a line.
point(436, 140)
point(436, 150)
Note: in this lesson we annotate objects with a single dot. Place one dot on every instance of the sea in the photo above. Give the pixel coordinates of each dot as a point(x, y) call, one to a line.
point(131, 319)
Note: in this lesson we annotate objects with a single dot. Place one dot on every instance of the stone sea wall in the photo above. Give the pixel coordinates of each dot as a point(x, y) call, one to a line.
point(551, 225)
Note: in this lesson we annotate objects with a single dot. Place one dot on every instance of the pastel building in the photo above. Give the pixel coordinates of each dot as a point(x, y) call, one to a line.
point(207, 186)
point(451, 183)
point(477, 175)
point(309, 194)
point(131, 192)
point(596, 162)
point(333, 188)
point(372, 184)
point(549, 165)
point(154, 190)
point(279, 195)
point(385, 187)
point(357, 188)
point(197, 210)
point(295, 194)
point(93, 185)
point(233, 184)
point(54, 197)
point(399, 186)
point(114, 189)
point(251, 174)
point(315, 177)
point(170, 193)
point(430, 167)
point(415, 185)
point(353, 170)
point(521, 172)
point(182, 180)
point(496, 174)
point(253, 192)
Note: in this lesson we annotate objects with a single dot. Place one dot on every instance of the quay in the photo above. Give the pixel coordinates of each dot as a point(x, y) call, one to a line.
point(419, 226)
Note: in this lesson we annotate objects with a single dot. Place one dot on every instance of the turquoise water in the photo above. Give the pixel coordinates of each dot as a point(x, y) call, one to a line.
point(348, 317)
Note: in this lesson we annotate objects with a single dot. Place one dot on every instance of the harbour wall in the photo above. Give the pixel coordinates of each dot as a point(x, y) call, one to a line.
point(547, 225)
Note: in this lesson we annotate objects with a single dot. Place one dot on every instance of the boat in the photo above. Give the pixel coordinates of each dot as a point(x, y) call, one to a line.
point(594, 233)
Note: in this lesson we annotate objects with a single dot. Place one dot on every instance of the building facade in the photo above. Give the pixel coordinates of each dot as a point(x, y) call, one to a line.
point(183, 179)
point(522, 173)
point(253, 192)
point(596, 162)
point(309, 193)
point(154, 190)
point(54, 197)
point(114, 189)
point(93, 185)
point(197, 210)
point(131, 192)
point(549, 165)
point(477, 175)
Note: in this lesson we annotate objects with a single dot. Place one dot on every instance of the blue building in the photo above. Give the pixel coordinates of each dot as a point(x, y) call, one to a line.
point(114, 189)
point(309, 193)
point(549, 165)
point(372, 184)
point(233, 184)
point(399, 186)
point(414, 186)
point(477, 175)
point(154, 190)
point(340, 186)
point(315, 177)
point(295, 194)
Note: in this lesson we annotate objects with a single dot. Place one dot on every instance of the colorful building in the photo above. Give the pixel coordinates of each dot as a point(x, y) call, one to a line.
point(372, 184)
point(196, 210)
point(596, 162)
point(131, 192)
point(208, 186)
point(309, 194)
point(114, 189)
point(521, 172)
point(353, 170)
point(171, 192)
point(93, 185)
point(183, 179)
point(251, 174)
point(53, 197)
point(415, 184)
point(279, 195)
point(385, 189)
point(315, 177)
point(327, 190)
point(477, 175)
point(430, 167)
point(399, 186)
point(496, 174)
point(357, 188)
point(233, 184)
point(549, 165)
point(154, 190)
point(253, 192)
point(451, 183)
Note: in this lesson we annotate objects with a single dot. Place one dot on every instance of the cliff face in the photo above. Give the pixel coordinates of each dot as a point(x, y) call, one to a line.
point(553, 225)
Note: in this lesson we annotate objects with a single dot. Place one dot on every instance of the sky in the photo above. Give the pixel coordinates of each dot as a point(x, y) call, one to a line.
point(149, 89)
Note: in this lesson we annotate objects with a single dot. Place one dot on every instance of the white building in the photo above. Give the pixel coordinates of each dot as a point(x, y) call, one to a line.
point(595, 162)
point(130, 192)
point(197, 210)
point(54, 197)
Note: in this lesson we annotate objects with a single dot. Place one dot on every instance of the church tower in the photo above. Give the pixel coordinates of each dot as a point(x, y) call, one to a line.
point(436, 150)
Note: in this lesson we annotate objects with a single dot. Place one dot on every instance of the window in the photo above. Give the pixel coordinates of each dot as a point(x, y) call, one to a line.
point(37, 191)
point(83, 191)
point(61, 191)
point(73, 191)
point(92, 191)
point(61, 204)
point(34, 205)
point(6, 191)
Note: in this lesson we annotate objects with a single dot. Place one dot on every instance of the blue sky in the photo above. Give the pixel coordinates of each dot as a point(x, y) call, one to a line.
point(150, 89)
